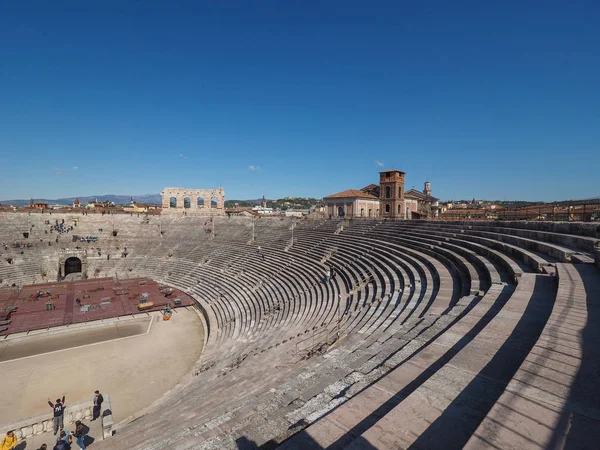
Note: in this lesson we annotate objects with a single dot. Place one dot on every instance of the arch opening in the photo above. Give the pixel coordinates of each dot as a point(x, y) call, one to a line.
point(200, 202)
point(72, 265)
point(172, 202)
point(187, 202)
point(213, 202)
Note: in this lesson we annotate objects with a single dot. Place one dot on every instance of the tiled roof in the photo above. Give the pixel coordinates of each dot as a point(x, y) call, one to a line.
point(370, 187)
point(414, 193)
point(242, 209)
point(351, 193)
point(419, 195)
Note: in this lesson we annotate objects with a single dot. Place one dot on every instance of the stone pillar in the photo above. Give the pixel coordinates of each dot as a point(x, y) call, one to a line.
point(165, 200)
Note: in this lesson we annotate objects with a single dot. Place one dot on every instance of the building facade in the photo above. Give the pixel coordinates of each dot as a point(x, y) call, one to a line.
point(421, 205)
point(350, 204)
point(386, 200)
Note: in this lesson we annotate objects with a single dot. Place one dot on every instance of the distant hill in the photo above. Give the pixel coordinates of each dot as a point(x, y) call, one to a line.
point(154, 199)
point(244, 203)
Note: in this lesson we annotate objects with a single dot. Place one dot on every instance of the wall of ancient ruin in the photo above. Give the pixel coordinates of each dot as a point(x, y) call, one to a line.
point(198, 201)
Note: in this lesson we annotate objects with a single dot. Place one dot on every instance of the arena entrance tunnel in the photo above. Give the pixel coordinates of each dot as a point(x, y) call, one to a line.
point(72, 265)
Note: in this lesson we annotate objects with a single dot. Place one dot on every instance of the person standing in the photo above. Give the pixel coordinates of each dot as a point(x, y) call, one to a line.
point(9, 441)
point(98, 399)
point(59, 409)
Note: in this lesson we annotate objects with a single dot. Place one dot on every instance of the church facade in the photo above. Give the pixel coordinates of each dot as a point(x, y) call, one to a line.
point(351, 203)
point(386, 200)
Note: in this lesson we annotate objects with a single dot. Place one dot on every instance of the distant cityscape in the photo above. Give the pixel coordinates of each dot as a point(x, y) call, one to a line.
point(580, 209)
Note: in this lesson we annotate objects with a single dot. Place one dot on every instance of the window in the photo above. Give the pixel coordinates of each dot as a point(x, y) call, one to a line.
point(362, 212)
point(388, 192)
point(387, 209)
point(399, 209)
point(370, 212)
point(399, 191)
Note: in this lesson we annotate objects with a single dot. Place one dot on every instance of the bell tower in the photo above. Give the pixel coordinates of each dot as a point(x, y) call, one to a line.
point(427, 190)
point(391, 193)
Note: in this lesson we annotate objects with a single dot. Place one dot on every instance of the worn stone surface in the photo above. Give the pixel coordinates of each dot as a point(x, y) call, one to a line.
point(392, 353)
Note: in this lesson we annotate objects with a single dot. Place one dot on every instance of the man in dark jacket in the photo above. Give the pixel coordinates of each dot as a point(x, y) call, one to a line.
point(58, 409)
point(98, 399)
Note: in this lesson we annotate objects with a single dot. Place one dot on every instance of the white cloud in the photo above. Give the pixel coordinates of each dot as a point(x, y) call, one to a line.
point(183, 156)
point(75, 167)
point(254, 168)
point(59, 171)
point(379, 163)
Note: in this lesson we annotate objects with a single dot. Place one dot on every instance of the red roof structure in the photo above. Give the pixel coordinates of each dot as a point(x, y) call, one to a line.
point(351, 193)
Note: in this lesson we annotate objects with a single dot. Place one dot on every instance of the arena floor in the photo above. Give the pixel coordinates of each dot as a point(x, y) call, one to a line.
point(100, 298)
point(135, 359)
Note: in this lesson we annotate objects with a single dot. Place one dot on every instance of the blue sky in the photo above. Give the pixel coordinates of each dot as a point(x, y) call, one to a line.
point(496, 100)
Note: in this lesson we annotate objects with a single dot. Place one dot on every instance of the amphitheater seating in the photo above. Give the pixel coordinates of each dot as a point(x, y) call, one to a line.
point(431, 334)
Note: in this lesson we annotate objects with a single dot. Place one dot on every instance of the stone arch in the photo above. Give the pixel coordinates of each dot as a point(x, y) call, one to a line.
point(72, 261)
point(72, 265)
point(173, 202)
point(214, 202)
point(200, 202)
point(187, 203)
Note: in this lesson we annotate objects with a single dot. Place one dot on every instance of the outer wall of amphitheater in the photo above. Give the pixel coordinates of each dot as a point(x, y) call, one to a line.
point(193, 201)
